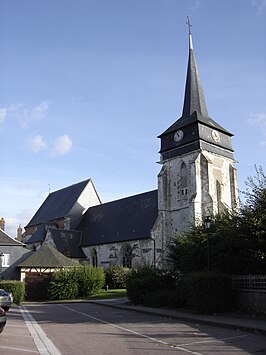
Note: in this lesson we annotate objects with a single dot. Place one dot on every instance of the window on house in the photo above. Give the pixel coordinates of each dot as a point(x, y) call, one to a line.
point(6, 260)
point(94, 258)
point(127, 257)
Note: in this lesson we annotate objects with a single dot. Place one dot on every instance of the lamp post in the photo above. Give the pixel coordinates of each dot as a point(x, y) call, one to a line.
point(207, 225)
point(1, 268)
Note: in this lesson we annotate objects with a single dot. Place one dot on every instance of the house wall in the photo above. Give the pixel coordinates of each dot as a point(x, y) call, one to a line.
point(17, 255)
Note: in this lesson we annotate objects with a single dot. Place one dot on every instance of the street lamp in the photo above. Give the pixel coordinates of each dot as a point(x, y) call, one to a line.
point(1, 261)
point(207, 225)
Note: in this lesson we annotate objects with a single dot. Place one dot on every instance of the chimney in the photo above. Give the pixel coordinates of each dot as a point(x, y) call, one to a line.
point(2, 224)
point(19, 233)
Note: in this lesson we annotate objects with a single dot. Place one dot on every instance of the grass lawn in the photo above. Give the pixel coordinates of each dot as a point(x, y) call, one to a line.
point(116, 293)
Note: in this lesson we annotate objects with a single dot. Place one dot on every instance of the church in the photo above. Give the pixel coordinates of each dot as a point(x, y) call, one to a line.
point(197, 179)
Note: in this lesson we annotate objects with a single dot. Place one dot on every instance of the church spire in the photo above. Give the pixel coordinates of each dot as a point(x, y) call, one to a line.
point(194, 98)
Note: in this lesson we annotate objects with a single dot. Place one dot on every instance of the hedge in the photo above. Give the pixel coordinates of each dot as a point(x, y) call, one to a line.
point(16, 287)
point(75, 282)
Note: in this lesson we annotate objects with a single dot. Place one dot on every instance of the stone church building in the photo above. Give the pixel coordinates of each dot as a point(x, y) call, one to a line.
point(197, 179)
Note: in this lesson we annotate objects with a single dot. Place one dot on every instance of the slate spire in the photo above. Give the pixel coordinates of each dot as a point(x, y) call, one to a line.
point(194, 98)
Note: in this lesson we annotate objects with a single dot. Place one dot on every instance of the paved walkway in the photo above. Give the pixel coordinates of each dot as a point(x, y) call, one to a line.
point(249, 324)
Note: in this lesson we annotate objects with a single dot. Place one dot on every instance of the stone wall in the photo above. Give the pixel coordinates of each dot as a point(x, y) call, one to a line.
point(251, 301)
point(112, 254)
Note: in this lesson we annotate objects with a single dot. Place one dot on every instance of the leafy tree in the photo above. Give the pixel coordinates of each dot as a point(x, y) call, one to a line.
point(254, 210)
point(237, 239)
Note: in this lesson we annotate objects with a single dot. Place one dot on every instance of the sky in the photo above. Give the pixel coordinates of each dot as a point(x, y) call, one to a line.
point(86, 86)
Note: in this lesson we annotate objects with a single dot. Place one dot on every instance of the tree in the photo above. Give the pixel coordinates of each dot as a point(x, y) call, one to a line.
point(237, 239)
point(254, 214)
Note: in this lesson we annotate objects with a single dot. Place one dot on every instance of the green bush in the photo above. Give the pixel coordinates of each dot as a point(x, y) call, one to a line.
point(90, 279)
point(160, 298)
point(208, 292)
point(116, 276)
point(80, 281)
point(16, 287)
point(63, 285)
point(145, 280)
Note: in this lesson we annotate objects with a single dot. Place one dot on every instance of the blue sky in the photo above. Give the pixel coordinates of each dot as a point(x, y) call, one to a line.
point(88, 85)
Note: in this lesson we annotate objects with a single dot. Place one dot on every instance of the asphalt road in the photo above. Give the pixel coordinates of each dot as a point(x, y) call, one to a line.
point(86, 328)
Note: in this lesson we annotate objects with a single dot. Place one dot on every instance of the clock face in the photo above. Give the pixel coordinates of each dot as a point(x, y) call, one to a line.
point(178, 136)
point(215, 136)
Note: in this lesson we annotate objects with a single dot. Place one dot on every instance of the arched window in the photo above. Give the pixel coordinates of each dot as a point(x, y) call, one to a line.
point(94, 258)
point(127, 256)
point(183, 180)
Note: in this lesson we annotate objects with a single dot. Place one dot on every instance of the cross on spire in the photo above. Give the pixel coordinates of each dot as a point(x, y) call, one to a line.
point(189, 25)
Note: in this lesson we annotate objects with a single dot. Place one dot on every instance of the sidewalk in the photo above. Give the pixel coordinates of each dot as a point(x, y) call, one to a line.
point(254, 325)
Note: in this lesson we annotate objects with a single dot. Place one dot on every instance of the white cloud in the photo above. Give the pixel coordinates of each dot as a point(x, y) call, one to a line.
point(36, 144)
point(259, 120)
point(195, 5)
point(260, 5)
point(38, 112)
point(62, 145)
point(3, 113)
point(26, 115)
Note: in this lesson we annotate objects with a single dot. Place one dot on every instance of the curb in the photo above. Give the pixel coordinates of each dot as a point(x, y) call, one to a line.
point(235, 326)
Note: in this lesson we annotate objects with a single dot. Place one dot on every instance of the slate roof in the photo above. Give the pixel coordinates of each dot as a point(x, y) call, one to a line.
point(194, 97)
point(58, 203)
point(39, 234)
point(5, 239)
point(195, 117)
point(47, 257)
point(194, 107)
point(126, 219)
point(67, 242)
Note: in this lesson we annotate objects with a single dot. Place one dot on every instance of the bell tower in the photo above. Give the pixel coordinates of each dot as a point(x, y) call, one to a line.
point(198, 177)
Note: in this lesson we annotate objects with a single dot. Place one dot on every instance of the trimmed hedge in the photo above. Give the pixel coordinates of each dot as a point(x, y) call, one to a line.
point(16, 287)
point(205, 292)
point(145, 280)
point(75, 282)
point(160, 298)
point(116, 276)
point(208, 292)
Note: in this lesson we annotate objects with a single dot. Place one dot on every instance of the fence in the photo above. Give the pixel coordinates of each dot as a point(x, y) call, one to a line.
point(249, 282)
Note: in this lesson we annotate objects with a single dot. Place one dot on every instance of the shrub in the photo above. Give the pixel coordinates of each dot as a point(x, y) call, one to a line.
point(90, 279)
point(208, 292)
point(116, 276)
point(80, 281)
point(63, 285)
point(160, 298)
point(16, 287)
point(144, 280)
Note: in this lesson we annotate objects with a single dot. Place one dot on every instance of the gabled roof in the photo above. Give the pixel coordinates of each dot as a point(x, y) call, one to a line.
point(47, 257)
point(129, 218)
point(39, 234)
point(58, 203)
point(5, 239)
point(67, 242)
